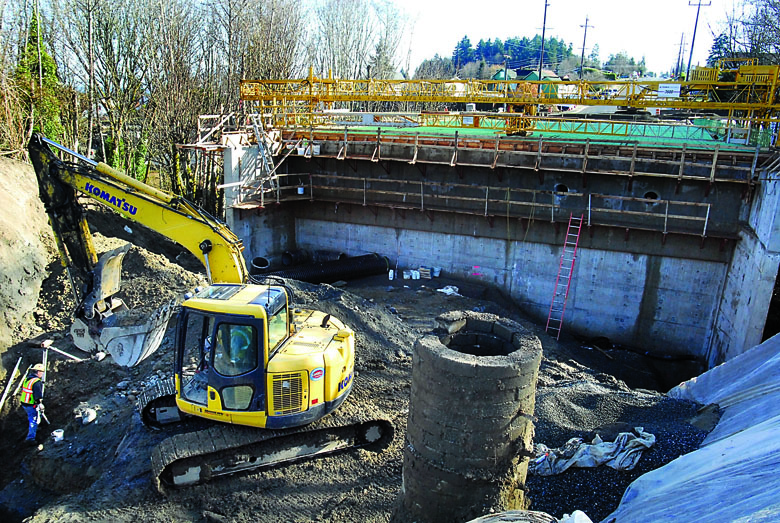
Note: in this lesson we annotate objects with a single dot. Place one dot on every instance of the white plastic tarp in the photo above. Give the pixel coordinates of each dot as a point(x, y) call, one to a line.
point(735, 475)
point(622, 454)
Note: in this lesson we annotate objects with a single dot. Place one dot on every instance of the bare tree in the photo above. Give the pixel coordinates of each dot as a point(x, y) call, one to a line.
point(754, 30)
point(12, 33)
point(109, 44)
point(765, 34)
point(343, 36)
point(390, 32)
point(176, 94)
point(229, 26)
point(274, 40)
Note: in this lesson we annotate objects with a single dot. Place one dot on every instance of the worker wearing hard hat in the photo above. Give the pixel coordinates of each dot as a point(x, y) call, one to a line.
point(31, 399)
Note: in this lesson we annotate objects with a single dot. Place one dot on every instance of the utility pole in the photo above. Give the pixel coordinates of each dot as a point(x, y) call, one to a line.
point(506, 79)
point(690, 57)
point(680, 57)
point(582, 59)
point(541, 51)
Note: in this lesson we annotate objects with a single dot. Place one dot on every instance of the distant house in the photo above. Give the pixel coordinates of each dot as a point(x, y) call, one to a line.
point(510, 75)
point(547, 76)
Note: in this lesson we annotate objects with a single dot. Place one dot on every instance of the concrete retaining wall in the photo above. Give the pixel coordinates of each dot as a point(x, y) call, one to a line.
point(751, 278)
point(653, 302)
point(675, 294)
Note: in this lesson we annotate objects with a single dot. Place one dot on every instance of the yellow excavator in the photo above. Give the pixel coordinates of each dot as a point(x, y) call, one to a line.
point(244, 357)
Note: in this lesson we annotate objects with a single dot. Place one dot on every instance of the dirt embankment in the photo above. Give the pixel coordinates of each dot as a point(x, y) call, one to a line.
point(25, 251)
point(101, 471)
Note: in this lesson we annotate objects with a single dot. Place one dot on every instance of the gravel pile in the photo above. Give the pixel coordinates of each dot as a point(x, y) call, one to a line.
point(581, 402)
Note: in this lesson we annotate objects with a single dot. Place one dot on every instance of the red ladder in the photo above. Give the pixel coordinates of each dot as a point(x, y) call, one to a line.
point(565, 272)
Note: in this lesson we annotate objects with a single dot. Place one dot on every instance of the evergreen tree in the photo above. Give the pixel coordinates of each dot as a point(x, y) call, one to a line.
point(593, 58)
point(483, 50)
point(720, 50)
point(463, 53)
point(38, 85)
point(623, 65)
point(497, 52)
point(381, 62)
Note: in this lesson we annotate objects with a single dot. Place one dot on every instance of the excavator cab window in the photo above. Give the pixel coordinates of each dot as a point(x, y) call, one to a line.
point(277, 329)
point(197, 357)
point(235, 351)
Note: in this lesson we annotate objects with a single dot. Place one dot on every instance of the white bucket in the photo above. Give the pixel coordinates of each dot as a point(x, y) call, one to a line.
point(300, 190)
point(58, 434)
point(407, 275)
point(436, 272)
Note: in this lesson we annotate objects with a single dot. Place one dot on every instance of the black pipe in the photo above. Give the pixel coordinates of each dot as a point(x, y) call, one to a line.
point(263, 264)
point(295, 257)
point(335, 270)
point(323, 256)
point(260, 264)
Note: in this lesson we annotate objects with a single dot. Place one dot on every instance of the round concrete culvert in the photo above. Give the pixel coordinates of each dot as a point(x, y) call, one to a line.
point(470, 425)
point(480, 344)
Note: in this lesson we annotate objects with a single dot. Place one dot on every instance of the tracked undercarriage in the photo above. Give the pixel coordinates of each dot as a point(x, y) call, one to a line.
point(207, 452)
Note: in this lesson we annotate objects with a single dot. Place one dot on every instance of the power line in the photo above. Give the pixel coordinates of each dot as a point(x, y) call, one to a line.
point(680, 56)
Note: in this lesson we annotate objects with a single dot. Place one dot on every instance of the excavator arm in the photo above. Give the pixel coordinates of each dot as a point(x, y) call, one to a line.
point(102, 321)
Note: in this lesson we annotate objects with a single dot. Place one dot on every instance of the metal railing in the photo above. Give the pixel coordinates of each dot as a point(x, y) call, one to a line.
point(667, 216)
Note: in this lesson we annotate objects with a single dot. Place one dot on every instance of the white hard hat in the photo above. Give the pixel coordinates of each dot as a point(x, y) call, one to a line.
point(39, 367)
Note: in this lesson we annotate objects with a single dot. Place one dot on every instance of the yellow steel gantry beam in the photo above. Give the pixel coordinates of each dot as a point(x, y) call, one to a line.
point(751, 94)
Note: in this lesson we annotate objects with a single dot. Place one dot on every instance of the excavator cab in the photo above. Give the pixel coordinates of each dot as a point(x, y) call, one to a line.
point(232, 368)
point(244, 357)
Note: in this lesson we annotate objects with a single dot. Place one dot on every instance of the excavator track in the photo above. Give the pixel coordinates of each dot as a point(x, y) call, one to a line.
point(197, 457)
point(157, 405)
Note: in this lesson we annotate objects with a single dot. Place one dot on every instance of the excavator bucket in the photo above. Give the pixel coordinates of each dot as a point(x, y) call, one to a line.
point(128, 341)
point(104, 323)
point(131, 344)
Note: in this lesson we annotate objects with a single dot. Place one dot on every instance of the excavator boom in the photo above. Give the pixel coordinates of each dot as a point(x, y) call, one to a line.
point(103, 322)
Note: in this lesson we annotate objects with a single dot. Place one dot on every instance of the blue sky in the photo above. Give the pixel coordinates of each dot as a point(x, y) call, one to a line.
point(642, 29)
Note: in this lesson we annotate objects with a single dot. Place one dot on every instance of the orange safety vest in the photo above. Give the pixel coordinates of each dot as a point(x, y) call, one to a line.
point(27, 390)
